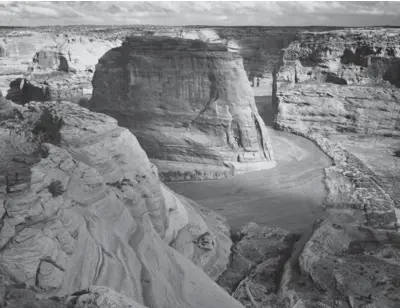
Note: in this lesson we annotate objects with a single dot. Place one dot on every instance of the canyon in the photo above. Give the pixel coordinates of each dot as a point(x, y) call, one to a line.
point(313, 223)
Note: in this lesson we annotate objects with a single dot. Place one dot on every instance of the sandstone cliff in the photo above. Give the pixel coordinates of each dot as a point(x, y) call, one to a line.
point(58, 66)
point(341, 81)
point(187, 102)
point(82, 206)
point(350, 257)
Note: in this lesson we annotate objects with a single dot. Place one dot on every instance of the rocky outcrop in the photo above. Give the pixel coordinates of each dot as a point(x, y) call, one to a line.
point(60, 65)
point(82, 206)
point(187, 102)
point(255, 245)
point(14, 295)
point(343, 264)
point(340, 81)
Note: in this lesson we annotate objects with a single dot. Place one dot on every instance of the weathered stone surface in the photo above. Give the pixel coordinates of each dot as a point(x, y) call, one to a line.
point(343, 264)
point(107, 222)
point(102, 297)
point(60, 65)
point(340, 81)
point(254, 246)
point(329, 84)
point(186, 101)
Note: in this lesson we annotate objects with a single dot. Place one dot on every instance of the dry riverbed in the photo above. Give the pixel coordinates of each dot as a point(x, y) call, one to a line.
point(289, 196)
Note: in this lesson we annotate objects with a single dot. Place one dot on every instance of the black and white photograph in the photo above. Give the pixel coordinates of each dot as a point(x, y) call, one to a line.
point(199, 154)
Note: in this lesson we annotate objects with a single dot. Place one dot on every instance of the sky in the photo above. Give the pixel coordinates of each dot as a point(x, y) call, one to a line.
point(217, 13)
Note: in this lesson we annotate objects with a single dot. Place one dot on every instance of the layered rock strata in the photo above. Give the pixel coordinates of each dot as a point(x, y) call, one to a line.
point(349, 258)
point(82, 206)
point(343, 81)
point(59, 65)
point(187, 102)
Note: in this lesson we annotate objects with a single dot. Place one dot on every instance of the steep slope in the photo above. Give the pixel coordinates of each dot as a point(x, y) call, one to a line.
point(341, 81)
point(188, 103)
point(83, 206)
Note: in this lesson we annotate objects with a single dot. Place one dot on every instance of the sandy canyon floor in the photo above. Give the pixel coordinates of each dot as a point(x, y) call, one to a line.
point(289, 196)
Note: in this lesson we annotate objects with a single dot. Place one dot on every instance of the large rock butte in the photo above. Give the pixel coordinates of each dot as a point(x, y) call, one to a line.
point(189, 104)
point(82, 206)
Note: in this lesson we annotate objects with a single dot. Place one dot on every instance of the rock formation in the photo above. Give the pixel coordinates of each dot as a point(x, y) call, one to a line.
point(340, 81)
point(325, 83)
point(82, 207)
point(255, 245)
point(59, 65)
point(188, 103)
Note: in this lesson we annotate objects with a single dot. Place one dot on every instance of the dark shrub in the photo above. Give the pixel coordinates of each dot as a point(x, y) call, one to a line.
point(48, 128)
point(56, 188)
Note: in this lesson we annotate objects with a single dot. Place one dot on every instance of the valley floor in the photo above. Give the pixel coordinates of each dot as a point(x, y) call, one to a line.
point(289, 196)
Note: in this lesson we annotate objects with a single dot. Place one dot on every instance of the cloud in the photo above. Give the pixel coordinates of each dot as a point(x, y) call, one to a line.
point(270, 13)
point(31, 10)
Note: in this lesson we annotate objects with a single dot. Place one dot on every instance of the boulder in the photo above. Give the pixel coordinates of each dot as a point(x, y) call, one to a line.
point(189, 104)
point(254, 246)
point(82, 206)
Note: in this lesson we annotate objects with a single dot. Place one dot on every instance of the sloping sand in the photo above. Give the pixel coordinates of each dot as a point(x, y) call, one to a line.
point(289, 196)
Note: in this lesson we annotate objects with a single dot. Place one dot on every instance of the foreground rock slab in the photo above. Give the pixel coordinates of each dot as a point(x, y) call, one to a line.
point(83, 206)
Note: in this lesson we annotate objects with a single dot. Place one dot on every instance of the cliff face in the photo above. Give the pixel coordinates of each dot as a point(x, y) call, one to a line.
point(57, 66)
point(187, 102)
point(82, 206)
point(333, 87)
point(341, 81)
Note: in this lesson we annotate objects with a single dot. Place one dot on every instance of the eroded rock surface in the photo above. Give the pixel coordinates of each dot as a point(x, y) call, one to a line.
point(254, 246)
point(340, 81)
point(83, 206)
point(328, 84)
point(59, 65)
point(187, 102)
point(343, 264)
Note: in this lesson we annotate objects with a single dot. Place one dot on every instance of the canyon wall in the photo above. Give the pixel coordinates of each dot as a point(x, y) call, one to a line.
point(56, 66)
point(330, 86)
point(63, 57)
point(82, 208)
point(189, 104)
point(340, 81)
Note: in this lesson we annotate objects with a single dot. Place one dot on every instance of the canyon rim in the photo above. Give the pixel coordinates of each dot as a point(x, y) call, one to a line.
point(209, 166)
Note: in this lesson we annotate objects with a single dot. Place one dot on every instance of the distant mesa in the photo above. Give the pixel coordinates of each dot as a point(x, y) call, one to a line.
point(188, 102)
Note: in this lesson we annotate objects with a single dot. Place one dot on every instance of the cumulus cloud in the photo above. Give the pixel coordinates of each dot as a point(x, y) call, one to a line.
point(30, 10)
point(268, 13)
